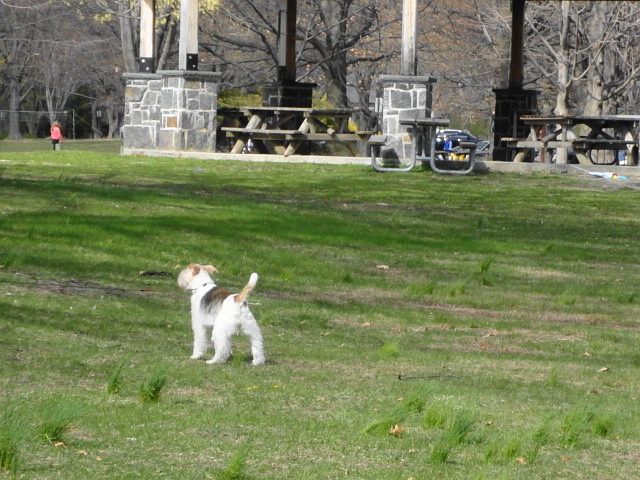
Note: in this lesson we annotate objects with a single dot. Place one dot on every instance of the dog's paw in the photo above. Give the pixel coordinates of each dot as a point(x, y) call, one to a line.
point(196, 357)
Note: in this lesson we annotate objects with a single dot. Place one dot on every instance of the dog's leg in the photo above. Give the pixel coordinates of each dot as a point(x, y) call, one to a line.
point(221, 337)
point(223, 347)
point(200, 341)
point(252, 331)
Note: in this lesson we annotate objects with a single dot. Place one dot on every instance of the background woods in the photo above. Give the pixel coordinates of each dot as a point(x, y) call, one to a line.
point(58, 56)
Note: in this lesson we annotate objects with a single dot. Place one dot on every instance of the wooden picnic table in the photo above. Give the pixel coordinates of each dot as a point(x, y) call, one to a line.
point(607, 136)
point(281, 130)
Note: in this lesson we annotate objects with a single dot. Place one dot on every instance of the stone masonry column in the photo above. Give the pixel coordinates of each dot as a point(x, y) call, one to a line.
point(189, 106)
point(142, 115)
point(171, 110)
point(405, 97)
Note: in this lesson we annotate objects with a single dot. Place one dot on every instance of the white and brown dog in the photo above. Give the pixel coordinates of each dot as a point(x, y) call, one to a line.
point(217, 315)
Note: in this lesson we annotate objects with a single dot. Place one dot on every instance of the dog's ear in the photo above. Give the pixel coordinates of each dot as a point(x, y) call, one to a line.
point(210, 269)
point(195, 267)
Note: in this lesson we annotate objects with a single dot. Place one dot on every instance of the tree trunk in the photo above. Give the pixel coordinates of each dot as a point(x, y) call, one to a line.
point(564, 75)
point(597, 74)
point(334, 65)
point(15, 101)
point(335, 71)
point(128, 34)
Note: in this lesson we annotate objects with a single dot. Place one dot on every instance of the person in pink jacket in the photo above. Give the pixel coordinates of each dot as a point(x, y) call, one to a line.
point(56, 134)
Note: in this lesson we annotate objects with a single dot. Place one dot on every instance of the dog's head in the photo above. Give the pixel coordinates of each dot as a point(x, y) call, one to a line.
point(195, 275)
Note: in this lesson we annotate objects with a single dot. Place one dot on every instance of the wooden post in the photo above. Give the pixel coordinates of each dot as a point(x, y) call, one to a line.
point(282, 38)
point(290, 41)
point(516, 66)
point(408, 63)
point(188, 51)
point(147, 34)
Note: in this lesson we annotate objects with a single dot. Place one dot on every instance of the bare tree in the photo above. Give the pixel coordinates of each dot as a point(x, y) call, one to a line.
point(333, 36)
point(585, 54)
point(18, 26)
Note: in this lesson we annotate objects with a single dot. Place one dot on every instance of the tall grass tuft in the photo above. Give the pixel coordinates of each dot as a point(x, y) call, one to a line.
point(576, 422)
point(413, 403)
point(13, 431)
point(435, 416)
point(603, 426)
point(114, 384)
point(493, 453)
point(441, 450)
point(456, 432)
point(236, 470)
point(539, 438)
point(484, 278)
point(554, 375)
point(151, 390)
point(461, 425)
point(57, 415)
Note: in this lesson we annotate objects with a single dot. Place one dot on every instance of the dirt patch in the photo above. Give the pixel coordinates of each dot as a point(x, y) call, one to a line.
point(76, 287)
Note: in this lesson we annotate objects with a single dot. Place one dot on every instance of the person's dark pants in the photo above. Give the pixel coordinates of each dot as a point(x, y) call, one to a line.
point(54, 142)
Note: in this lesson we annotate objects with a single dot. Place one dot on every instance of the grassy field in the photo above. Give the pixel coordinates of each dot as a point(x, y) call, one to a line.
point(416, 326)
point(37, 145)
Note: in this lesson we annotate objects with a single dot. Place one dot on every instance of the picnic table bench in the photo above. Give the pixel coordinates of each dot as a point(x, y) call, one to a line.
point(553, 138)
point(281, 130)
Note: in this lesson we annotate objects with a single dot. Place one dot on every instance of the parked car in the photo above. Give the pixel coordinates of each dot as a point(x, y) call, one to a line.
point(483, 148)
point(456, 136)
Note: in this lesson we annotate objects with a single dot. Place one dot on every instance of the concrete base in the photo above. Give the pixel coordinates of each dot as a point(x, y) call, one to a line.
point(482, 167)
point(249, 157)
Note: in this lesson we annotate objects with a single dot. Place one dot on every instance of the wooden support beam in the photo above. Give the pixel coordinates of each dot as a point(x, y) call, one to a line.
point(516, 66)
point(147, 35)
point(290, 55)
point(408, 59)
point(188, 51)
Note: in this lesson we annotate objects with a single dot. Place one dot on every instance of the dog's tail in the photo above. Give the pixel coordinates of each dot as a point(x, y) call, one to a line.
point(242, 296)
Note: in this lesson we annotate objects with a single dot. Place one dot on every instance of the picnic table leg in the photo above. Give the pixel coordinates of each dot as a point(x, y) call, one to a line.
point(633, 155)
point(562, 154)
point(241, 140)
point(293, 145)
point(521, 155)
point(583, 158)
point(353, 148)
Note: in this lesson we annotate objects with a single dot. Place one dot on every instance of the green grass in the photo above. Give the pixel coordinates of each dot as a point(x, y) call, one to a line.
point(83, 145)
point(493, 318)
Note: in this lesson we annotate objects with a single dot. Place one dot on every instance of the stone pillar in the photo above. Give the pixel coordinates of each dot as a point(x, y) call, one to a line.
point(171, 110)
point(189, 109)
point(511, 104)
point(142, 116)
point(404, 98)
